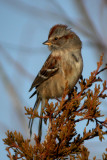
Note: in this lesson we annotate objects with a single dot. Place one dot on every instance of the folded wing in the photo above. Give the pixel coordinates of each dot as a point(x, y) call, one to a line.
point(49, 69)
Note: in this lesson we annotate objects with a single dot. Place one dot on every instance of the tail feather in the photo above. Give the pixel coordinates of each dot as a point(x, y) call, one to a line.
point(40, 121)
point(36, 105)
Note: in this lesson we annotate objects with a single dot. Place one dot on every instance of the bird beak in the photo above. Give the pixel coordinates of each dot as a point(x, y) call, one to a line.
point(47, 43)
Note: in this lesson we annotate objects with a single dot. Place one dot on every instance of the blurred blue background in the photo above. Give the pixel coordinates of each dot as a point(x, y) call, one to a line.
point(24, 25)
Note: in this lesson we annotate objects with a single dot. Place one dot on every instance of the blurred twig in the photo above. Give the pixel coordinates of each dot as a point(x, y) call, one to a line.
point(24, 49)
point(13, 95)
point(19, 67)
point(60, 14)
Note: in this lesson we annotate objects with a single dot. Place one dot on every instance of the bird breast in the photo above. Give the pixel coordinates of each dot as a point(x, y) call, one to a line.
point(69, 72)
point(71, 65)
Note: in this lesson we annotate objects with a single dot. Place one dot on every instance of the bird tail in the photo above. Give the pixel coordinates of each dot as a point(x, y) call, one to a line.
point(36, 105)
point(40, 121)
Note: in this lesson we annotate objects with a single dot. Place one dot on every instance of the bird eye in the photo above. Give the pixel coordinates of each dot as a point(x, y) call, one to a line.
point(55, 38)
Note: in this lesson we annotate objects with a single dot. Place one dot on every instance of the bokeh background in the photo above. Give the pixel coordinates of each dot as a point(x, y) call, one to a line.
point(24, 26)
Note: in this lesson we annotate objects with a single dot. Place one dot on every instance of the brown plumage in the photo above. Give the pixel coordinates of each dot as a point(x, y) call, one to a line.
point(64, 64)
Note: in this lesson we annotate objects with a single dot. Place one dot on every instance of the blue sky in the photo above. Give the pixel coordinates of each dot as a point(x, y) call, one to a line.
point(24, 26)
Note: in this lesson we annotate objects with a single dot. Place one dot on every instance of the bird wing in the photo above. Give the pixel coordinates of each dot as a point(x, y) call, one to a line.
point(49, 69)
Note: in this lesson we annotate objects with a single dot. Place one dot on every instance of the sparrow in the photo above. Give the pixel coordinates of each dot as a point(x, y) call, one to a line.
point(64, 65)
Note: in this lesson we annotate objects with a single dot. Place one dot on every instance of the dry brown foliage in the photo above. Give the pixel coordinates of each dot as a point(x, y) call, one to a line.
point(63, 140)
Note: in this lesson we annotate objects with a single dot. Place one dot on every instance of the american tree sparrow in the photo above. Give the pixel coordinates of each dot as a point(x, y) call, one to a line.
point(64, 65)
